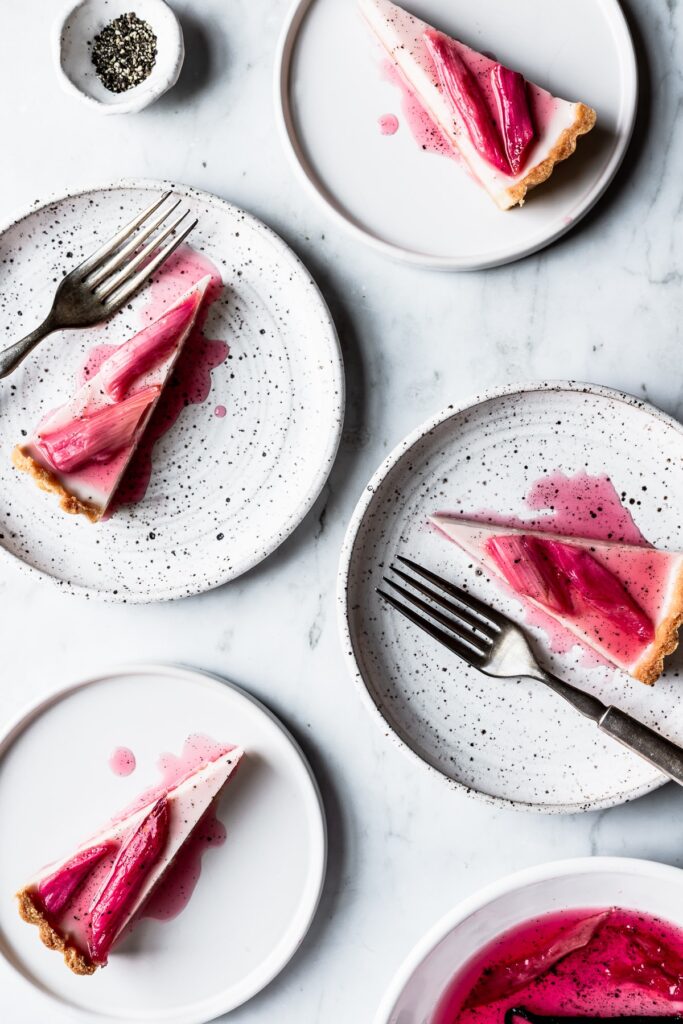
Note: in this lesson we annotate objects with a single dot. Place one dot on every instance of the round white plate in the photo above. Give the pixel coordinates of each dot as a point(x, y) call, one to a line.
point(224, 492)
point(511, 742)
point(257, 893)
point(420, 207)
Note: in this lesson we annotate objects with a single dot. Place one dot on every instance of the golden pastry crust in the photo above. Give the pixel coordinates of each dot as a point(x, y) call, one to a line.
point(48, 482)
point(564, 147)
point(651, 665)
point(30, 912)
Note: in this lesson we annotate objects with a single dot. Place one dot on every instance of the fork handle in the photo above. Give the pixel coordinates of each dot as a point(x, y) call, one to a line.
point(12, 356)
point(659, 751)
point(664, 754)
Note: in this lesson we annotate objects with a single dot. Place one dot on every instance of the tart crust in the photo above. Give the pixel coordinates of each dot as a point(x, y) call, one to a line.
point(32, 913)
point(47, 481)
point(564, 147)
point(650, 667)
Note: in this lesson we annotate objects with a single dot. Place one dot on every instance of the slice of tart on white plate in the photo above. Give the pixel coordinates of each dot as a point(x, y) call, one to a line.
point(509, 132)
point(83, 903)
point(81, 450)
point(623, 601)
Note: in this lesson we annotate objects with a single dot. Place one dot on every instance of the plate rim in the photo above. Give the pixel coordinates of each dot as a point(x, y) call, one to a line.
point(338, 411)
point(414, 257)
point(347, 551)
point(201, 1012)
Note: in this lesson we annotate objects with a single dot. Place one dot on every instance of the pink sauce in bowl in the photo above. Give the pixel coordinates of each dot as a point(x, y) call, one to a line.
point(586, 963)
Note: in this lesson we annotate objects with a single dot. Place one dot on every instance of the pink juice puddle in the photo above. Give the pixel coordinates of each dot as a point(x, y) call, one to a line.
point(174, 891)
point(220, 411)
point(388, 124)
point(122, 762)
point(569, 963)
point(190, 383)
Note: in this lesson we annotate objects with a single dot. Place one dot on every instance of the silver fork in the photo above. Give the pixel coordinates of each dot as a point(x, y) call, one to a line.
point(103, 282)
point(490, 642)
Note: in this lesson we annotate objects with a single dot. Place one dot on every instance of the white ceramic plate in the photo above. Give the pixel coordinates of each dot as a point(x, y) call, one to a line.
point(420, 207)
point(511, 742)
point(224, 492)
point(421, 980)
point(257, 893)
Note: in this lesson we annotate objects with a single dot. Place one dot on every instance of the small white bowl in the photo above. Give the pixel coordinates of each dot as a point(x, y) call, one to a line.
point(423, 978)
point(77, 27)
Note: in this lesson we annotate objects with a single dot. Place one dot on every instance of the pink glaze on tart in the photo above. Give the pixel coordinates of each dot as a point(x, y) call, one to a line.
point(624, 601)
point(509, 132)
point(84, 903)
point(82, 449)
point(592, 963)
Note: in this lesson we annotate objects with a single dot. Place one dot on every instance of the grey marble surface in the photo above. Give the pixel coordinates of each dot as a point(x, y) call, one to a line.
point(603, 305)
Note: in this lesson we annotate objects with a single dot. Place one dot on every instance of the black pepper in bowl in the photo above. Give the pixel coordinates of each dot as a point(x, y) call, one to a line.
point(124, 52)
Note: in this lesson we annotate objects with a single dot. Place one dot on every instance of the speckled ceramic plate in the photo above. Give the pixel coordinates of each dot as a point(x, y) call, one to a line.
point(224, 492)
point(257, 893)
point(511, 742)
point(330, 94)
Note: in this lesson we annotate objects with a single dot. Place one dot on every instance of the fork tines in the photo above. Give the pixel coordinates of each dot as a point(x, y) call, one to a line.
point(469, 626)
point(118, 268)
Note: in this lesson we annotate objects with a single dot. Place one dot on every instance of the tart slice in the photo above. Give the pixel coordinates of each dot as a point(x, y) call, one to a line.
point(81, 450)
point(509, 132)
point(623, 601)
point(83, 903)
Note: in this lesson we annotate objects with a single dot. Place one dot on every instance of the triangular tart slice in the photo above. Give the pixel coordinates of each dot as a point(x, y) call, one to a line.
point(509, 132)
point(83, 903)
point(624, 601)
point(81, 450)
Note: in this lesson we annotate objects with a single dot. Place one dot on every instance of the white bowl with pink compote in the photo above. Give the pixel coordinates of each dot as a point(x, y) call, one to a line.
point(442, 974)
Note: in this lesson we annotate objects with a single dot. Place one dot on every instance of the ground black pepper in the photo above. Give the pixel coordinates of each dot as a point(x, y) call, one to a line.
point(124, 52)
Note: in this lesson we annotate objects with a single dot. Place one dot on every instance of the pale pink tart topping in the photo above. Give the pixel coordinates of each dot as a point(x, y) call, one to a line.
point(509, 132)
point(624, 601)
point(82, 449)
point(83, 904)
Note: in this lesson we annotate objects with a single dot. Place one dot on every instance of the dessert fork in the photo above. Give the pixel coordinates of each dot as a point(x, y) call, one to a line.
point(107, 279)
point(490, 642)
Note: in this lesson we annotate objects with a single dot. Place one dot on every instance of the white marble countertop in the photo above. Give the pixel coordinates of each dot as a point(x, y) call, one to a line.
point(604, 305)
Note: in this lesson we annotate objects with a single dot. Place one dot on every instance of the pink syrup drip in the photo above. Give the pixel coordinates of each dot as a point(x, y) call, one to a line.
point(190, 382)
point(220, 411)
point(425, 131)
point(175, 889)
point(388, 124)
point(122, 762)
point(198, 751)
point(632, 965)
point(581, 505)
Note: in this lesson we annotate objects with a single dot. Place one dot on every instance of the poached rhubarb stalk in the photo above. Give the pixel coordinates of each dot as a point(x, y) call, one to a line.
point(55, 891)
point(528, 569)
point(146, 350)
point(562, 577)
point(509, 976)
point(132, 866)
point(462, 89)
point(514, 114)
point(95, 436)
